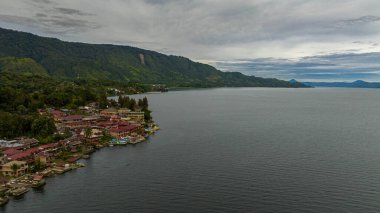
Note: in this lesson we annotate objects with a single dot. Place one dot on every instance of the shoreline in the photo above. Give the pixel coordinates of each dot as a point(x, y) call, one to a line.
point(26, 162)
point(16, 188)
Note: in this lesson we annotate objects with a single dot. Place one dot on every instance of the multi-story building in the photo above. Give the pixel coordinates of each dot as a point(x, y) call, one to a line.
point(14, 168)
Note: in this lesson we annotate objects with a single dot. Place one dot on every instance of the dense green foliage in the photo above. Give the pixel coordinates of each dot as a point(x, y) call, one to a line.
point(130, 103)
point(144, 105)
point(43, 126)
point(22, 65)
point(66, 60)
point(14, 125)
point(23, 93)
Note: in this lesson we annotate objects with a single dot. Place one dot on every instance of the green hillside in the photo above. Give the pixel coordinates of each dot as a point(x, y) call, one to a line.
point(25, 52)
point(22, 65)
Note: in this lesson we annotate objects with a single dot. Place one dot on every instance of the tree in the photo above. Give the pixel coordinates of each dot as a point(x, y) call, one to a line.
point(123, 101)
point(145, 102)
point(113, 103)
point(14, 168)
point(105, 138)
point(140, 103)
point(22, 109)
point(147, 115)
point(88, 132)
point(102, 100)
point(43, 127)
point(120, 100)
point(126, 101)
point(86, 95)
point(132, 104)
point(38, 165)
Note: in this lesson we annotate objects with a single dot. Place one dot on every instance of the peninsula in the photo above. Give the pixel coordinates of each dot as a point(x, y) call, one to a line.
point(75, 134)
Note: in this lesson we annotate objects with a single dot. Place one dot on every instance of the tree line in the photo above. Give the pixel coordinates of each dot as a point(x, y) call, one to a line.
point(132, 104)
point(22, 94)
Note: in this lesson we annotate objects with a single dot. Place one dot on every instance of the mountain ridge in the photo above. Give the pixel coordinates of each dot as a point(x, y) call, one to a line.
point(73, 60)
point(353, 84)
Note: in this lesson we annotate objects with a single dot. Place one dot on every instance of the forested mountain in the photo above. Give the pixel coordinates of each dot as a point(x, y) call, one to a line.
point(25, 52)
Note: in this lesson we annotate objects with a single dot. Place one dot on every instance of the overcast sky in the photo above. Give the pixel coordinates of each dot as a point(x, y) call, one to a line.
point(309, 40)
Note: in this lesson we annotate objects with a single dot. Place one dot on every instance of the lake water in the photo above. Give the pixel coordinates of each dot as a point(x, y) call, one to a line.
point(234, 150)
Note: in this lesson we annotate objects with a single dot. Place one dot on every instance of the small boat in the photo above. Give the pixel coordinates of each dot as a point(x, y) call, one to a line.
point(80, 165)
point(17, 192)
point(38, 184)
point(89, 151)
point(86, 156)
point(58, 170)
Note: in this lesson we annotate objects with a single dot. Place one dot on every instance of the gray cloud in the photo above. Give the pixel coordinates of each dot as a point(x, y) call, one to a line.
point(43, 1)
point(50, 19)
point(363, 19)
point(40, 15)
point(357, 21)
point(210, 30)
point(69, 11)
point(16, 19)
point(68, 23)
point(51, 25)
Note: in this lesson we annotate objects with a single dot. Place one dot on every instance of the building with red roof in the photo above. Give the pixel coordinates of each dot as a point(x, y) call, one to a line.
point(72, 118)
point(27, 155)
point(74, 121)
point(38, 177)
point(48, 146)
point(57, 114)
point(11, 151)
point(123, 123)
point(122, 131)
point(115, 118)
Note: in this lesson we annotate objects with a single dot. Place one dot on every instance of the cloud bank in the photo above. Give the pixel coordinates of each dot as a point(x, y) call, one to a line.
point(341, 67)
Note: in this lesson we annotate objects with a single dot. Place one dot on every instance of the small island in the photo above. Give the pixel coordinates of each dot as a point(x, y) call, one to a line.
point(63, 136)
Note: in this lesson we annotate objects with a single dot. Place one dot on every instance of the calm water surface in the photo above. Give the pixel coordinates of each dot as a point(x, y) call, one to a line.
point(234, 150)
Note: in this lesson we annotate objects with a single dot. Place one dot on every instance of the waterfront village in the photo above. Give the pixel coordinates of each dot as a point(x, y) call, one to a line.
point(25, 162)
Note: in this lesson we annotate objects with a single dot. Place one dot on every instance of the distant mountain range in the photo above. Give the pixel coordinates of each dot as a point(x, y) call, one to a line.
point(25, 52)
point(355, 84)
